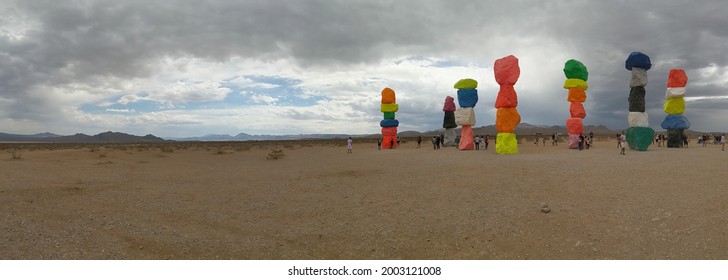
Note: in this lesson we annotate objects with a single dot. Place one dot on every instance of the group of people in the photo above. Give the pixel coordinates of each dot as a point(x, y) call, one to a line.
point(481, 141)
point(584, 142)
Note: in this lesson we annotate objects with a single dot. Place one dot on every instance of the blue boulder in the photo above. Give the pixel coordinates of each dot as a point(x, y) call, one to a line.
point(639, 60)
point(389, 123)
point(467, 98)
point(675, 122)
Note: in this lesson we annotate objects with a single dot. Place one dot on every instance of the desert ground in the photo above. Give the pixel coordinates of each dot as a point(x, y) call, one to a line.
point(228, 201)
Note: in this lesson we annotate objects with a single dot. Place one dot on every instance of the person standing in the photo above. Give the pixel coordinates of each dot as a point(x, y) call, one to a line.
point(348, 146)
point(482, 142)
point(434, 143)
point(622, 142)
point(722, 142)
point(438, 141)
point(419, 141)
point(581, 142)
point(486, 141)
point(397, 140)
point(477, 142)
point(379, 143)
point(442, 140)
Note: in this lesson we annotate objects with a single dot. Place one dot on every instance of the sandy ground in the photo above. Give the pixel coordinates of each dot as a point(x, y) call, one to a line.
point(318, 202)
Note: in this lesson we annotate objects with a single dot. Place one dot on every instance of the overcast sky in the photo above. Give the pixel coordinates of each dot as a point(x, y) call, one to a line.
point(190, 68)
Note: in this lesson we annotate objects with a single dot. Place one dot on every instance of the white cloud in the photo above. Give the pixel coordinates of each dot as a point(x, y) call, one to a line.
point(259, 98)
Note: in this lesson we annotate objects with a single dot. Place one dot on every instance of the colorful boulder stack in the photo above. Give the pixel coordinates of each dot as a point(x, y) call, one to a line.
point(465, 115)
point(389, 124)
point(449, 122)
point(576, 77)
point(506, 73)
point(675, 122)
point(639, 133)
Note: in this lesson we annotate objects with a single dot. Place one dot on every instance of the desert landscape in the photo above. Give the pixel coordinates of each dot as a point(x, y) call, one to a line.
point(312, 200)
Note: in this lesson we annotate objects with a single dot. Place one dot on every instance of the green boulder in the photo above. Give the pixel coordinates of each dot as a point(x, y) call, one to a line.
point(640, 138)
point(389, 115)
point(574, 69)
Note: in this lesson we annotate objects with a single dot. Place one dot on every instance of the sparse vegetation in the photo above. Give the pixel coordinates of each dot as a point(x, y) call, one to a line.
point(16, 154)
point(275, 154)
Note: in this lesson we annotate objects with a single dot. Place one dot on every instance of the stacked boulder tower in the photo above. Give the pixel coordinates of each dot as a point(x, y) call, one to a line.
point(639, 133)
point(506, 71)
point(448, 123)
point(465, 115)
point(675, 122)
point(576, 82)
point(389, 124)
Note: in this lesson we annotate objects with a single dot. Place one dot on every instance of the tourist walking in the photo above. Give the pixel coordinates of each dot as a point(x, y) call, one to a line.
point(722, 142)
point(486, 141)
point(434, 142)
point(622, 142)
point(477, 142)
point(348, 146)
point(419, 141)
point(581, 142)
point(379, 143)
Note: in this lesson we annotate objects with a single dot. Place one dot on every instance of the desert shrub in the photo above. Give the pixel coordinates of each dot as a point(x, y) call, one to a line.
point(16, 154)
point(275, 154)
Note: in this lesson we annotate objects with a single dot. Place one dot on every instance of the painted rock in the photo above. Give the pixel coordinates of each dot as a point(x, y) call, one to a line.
point(506, 119)
point(638, 119)
point(677, 78)
point(393, 107)
point(576, 95)
point(640, 138)
point(674, 106)
point(449, 105)
point(639, 77)
point(574, 126)
point(507, 97)
point(467, 98)
point(465, 116)
point(577, 110)
point(466, 138)
point(450, 136)
point(506, 70)
point(675, 122)
point(449, 120)
point(389, 115)
point(506, 143)
point(389, 131)
point(638, 59)
point(675, 92)
point(466, 83)
point(636, 99)
point(574, 69)
point(576, 83)
point(388, 96)
point(573, 141)
point(675, 138)
point(389, 123)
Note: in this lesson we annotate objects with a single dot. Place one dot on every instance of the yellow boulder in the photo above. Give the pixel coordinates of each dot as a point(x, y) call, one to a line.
point(576, 83)
point(674, 106)
point(389, 108)
point(506, 144)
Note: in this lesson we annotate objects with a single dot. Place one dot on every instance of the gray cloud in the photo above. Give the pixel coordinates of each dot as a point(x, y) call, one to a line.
point(98, 43)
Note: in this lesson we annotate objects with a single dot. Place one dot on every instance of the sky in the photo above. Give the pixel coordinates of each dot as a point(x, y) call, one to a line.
point(191, 68)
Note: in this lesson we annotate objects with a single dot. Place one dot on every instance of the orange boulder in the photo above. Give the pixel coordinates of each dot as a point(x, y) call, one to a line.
point(677, 78)
point(388, 96)
point(506, 119)
point(576, 95)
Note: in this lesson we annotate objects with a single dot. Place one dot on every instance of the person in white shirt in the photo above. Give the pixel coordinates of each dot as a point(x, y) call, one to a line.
point(348, 146)
point(722, 142)
point(622, 142)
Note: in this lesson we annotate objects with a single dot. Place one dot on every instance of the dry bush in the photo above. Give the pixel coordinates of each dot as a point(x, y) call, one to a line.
point(16, 154)
point(275, 154)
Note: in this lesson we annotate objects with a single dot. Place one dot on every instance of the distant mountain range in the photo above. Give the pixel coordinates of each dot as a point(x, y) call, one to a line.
point(119, 137)
point(106, 137)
